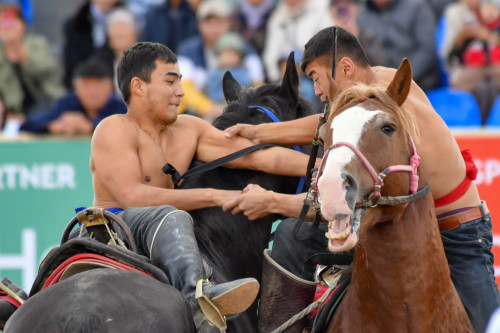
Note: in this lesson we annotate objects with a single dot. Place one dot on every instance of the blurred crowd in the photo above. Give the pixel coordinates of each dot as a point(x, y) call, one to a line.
point(450, 43)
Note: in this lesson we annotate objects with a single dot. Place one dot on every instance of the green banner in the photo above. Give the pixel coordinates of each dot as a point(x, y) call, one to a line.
point(41, 183)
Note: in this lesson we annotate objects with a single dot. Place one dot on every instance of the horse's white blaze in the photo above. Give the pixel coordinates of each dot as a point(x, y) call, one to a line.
point(347, 127)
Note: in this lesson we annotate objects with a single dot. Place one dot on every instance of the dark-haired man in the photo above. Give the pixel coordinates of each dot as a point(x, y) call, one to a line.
point(128, 153)
point(468, 245)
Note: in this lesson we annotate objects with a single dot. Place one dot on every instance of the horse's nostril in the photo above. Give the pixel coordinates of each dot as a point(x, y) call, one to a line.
point(349, 181)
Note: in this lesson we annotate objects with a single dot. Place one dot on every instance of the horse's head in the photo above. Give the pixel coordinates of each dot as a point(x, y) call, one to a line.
point(368, 134)
point(281, 100)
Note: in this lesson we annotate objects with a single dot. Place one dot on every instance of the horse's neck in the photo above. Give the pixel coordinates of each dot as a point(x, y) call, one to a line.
point(402, 263)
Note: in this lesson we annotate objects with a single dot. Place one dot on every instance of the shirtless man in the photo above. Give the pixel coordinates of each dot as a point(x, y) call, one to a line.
point(127, 155)
point(467, 239)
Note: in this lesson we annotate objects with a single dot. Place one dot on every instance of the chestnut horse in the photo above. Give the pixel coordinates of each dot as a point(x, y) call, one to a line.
point(400, 275)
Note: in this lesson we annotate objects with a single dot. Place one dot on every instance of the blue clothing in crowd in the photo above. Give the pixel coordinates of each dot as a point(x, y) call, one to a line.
point(39, 121)
point(170, 25)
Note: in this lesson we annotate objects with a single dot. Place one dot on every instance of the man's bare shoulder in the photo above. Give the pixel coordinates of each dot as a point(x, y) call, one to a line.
point(116, 121)
point(184, 119)
point(188, 122)
point(115, 126)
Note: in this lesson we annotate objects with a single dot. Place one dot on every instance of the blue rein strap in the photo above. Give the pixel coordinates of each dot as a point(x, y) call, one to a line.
point(274, 118)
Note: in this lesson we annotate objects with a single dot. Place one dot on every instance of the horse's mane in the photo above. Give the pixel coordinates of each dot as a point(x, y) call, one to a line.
point(360, 93)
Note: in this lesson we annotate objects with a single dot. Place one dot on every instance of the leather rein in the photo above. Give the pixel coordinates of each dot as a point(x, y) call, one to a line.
point(202, 168)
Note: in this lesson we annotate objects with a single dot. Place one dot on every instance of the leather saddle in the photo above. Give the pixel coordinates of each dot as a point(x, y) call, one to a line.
point(83, 254)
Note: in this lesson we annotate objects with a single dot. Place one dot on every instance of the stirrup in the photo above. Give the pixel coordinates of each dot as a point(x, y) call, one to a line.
point(208, 308)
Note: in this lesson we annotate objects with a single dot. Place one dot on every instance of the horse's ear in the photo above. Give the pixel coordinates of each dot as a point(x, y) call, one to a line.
point(399, 87)
point(290, 83)
point(230, 87)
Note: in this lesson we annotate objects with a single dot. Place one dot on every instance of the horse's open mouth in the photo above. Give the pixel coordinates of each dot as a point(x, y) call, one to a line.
point(340, 235)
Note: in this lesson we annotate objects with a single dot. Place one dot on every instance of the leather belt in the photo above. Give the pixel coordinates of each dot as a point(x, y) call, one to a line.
point(453, 221)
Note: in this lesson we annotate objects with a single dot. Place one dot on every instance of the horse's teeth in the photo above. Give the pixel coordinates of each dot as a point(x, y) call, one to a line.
point(341, 236)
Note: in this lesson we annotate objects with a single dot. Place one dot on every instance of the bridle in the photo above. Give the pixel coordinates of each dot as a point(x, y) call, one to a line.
point(376, 198)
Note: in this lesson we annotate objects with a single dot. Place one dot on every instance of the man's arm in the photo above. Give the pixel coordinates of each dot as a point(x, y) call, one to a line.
point(255, 202)
point(294, 132)
point(117, 168)
point(274, 160)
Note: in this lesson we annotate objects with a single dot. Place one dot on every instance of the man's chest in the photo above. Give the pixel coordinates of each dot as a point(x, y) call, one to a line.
point(153, 157)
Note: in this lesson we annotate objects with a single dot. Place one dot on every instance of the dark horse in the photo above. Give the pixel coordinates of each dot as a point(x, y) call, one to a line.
point(400, 275)
point(233, 245)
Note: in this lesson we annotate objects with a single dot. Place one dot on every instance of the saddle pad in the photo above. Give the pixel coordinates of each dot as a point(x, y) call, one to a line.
point(9, 299)
point(51, 265)
point(82, 266)
point(87, 257)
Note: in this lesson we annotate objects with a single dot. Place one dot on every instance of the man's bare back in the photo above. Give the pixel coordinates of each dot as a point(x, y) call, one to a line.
point(442, 162)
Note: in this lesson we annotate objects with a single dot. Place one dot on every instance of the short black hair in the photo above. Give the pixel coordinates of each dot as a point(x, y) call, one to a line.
point(92, 68)
point(322, 44)
point(139, 61)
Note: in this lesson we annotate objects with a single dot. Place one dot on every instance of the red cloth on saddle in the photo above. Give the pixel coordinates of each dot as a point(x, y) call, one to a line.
point(470, 174)
point(57, 273)
point(320, 291)
point(9, 299)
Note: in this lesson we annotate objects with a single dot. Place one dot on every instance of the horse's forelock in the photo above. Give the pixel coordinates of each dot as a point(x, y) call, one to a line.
point(361, 93)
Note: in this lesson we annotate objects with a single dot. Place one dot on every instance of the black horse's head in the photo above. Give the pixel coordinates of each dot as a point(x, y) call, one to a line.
point(282, 100)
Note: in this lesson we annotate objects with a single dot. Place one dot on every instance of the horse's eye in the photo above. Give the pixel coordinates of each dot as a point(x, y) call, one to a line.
point(387, 129)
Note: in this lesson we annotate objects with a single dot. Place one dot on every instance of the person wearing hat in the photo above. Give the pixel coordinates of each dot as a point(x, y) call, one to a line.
point(79, 112)
point(28, 75)
point(229, 49)
point(197, 57)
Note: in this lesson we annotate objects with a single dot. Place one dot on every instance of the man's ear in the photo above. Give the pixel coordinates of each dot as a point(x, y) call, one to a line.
point(345, 67)
point(137, 86)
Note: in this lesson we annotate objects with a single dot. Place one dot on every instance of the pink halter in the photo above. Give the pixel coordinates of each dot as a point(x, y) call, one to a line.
point(379, 177)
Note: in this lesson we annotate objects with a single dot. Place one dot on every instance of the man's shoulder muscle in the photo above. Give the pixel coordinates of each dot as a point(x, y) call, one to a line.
point(114, 127)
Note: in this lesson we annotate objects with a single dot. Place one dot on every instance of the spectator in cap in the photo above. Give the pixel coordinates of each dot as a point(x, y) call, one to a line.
point(229, 49)
point(196, 56)
point(28, 77)
point(170, 23)
point(79, 112)
point(85, 33)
